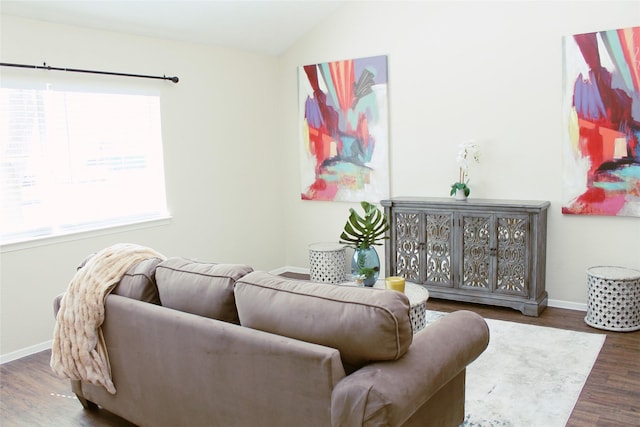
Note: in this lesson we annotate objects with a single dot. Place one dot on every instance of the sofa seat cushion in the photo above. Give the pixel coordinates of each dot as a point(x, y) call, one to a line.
point(205, 289)
point(364, 324)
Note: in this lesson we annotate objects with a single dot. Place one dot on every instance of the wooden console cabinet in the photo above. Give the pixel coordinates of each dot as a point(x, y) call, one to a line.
point(479, 250)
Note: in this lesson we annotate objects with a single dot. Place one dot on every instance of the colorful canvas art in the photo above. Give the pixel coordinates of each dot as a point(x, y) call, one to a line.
point(344, 130)
point(602, 117)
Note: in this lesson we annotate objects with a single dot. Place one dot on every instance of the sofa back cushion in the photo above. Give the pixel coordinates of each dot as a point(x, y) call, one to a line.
point(205, 289)
point(139, 282)
point(364, 324)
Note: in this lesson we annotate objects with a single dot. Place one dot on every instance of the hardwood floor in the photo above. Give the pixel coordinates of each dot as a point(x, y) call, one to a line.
point(30, 395)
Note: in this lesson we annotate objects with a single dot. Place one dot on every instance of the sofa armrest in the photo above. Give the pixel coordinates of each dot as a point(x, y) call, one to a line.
point(389, 393)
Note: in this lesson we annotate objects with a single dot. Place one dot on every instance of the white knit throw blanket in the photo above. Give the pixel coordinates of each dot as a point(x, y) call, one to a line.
point(79, 351)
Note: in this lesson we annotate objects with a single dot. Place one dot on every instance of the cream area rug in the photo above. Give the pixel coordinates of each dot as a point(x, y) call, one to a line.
point(528, 376)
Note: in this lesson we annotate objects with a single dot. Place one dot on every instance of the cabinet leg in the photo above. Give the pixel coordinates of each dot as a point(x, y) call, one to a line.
point(534, 309)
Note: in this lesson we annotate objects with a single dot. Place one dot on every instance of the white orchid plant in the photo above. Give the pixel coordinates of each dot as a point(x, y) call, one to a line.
point(469, 150)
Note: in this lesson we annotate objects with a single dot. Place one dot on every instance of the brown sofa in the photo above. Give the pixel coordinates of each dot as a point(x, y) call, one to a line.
point(195, 344)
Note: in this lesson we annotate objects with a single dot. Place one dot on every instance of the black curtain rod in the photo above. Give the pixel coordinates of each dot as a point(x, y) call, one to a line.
point(75, 70)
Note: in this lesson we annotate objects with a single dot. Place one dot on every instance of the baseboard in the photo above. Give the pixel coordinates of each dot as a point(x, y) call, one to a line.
point(28, 351)
point(567, 304)
point(290, 269)
point(46, 345)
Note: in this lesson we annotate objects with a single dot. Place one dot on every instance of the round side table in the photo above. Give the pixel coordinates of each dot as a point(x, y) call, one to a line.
point(418, 296)
point(613, 299)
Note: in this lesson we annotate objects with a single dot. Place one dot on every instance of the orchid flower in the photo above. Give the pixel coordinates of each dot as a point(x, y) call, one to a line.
point(468, 150)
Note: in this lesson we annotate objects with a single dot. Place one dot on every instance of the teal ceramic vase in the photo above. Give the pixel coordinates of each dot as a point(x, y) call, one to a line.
point(365, 262)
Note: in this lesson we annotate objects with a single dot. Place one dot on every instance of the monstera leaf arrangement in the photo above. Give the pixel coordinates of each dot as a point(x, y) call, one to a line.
point(361, 233)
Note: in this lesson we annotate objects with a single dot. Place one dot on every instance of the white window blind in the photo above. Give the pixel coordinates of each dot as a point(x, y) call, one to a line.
point(76, 160)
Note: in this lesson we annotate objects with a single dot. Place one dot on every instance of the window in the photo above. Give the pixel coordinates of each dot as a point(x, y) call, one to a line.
point(75, 161)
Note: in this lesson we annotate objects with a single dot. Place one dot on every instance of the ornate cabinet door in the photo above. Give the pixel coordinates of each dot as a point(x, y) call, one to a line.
point(408, 228)
point(438, 242)
point(513, 247)
point(477, 250)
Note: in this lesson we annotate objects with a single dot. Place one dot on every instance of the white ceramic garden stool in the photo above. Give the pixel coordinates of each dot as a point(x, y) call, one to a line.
point(613, 298)
point(328, 263)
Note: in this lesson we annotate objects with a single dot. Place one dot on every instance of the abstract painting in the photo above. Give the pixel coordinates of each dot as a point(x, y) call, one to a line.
point(344, 129)
point(601, 107)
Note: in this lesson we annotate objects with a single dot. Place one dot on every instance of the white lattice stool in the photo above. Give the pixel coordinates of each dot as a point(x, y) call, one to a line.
point(614, 298)
point(327, 263)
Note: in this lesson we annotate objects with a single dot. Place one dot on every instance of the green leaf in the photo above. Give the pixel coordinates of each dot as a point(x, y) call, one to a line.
point(363, 232)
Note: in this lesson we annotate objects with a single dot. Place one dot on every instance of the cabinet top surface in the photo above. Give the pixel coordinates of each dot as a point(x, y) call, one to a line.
point(471, 202)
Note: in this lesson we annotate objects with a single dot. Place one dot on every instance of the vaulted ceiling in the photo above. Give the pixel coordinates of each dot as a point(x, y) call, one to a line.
point(261, 26)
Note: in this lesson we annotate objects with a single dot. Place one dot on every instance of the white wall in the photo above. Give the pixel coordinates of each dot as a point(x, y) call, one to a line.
point(220, 126)
point(491, 71)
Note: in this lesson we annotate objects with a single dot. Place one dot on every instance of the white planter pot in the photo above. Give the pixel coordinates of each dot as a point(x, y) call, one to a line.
point(460, 194)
